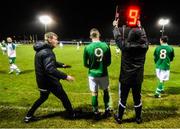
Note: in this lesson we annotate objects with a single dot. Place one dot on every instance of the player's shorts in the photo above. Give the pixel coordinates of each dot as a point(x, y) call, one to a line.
point(98, 82)
point(162, 75)
point(12, 60)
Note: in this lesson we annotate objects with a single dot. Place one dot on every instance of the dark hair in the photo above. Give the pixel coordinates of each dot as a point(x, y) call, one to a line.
point(164, 38)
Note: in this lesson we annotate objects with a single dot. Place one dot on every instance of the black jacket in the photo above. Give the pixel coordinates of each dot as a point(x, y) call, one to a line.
point(46, 66)
point(134, 45)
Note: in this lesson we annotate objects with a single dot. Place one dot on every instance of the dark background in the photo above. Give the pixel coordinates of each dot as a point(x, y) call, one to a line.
point(74, 18)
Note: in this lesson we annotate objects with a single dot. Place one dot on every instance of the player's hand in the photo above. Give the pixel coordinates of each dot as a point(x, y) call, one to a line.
point(70, 78)
point(115, 23)
point(66, 66)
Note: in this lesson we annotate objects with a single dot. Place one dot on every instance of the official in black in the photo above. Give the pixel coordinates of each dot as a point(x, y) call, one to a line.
point(133, 44)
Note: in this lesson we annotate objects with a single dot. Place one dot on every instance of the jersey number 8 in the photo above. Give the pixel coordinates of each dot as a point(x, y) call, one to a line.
point(163, 54)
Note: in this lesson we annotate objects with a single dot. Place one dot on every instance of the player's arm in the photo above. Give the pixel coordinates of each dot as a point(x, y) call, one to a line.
point(172, 55)
point(108, 56)
point(155, 56)
point(49, 63)
point(85, 58)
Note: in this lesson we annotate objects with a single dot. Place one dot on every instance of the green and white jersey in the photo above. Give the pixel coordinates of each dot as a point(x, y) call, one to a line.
point(163, 55)
point(3, 45)
point(11, 50)
point(97, 57)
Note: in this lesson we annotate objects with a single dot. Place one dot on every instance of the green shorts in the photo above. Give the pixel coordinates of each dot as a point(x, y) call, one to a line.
point(12, 60)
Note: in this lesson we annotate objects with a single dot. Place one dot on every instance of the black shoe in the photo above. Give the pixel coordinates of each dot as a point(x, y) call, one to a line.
point(107, 113)
point(72, 115)
point(97, 115)
point(157, 96)
point(138, 120)
point(118, 120)
point(28, 119)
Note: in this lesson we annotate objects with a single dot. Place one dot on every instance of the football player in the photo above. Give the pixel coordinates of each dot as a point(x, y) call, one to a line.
point(97, 57)
point(163, 55)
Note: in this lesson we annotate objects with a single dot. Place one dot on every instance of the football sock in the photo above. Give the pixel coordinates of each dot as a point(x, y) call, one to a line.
point(106, 99)
point(95, 103)
point(159, 88)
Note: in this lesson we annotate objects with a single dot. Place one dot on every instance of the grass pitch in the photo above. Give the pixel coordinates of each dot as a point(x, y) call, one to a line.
point(18, 93)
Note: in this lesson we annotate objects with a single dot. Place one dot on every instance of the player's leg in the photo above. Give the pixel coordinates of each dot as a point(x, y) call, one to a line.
point(43, 97)
point(136, 92)
point(163, 75)
point(59, 92)
point(93, 85)
point(104, 85)
point(11, 68)
point(15, 66)
point(123, 94)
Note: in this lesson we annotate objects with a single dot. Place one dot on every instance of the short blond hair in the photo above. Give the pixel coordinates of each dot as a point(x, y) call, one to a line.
point(49, 35)
point(94, 33)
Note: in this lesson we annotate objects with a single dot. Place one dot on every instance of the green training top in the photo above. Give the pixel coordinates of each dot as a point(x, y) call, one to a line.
point(163, 55)
point(97, 57)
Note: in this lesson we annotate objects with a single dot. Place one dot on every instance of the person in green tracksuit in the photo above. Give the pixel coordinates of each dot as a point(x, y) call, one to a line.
point(163, 55)
point(97, 57)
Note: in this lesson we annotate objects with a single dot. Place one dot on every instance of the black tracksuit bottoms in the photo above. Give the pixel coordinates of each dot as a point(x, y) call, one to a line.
point(59, 92)
point(123, 94)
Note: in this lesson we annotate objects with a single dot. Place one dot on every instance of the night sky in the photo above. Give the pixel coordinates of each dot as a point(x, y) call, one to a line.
point(74, 18)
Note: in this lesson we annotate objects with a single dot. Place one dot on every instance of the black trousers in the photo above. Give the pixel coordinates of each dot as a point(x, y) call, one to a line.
point(123, 94)
point(59, 92)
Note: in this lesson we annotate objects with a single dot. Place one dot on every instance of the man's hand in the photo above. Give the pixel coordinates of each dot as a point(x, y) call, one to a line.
point(66, 66)
point(70, 78)
point(115, 23)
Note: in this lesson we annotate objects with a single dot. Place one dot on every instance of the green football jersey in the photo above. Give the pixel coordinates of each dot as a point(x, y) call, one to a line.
point(97, 57)
point(163, 55)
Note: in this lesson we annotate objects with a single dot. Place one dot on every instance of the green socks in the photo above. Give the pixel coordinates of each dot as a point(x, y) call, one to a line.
point(160, 88)
point(95, 103)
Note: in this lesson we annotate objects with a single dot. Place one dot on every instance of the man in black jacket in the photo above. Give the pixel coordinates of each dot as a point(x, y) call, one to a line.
point(47, 75)
point(133, 44)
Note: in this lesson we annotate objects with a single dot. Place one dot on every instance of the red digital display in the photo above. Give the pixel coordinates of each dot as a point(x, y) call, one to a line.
point(133, 13)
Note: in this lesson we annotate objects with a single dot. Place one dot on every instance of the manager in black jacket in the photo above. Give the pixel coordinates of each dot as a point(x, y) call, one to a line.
point(47, 75)
point(133, 44)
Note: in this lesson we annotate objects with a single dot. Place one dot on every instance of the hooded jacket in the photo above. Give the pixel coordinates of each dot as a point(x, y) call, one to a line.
point(134, 45)
point(46, 66)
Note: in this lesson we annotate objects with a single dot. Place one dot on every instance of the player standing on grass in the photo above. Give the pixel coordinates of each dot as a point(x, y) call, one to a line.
point(11, 51)
point(163, 55)
point(97, 57)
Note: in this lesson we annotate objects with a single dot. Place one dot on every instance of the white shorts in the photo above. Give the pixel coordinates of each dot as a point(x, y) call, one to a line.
point(162, 75)
point(98, 82)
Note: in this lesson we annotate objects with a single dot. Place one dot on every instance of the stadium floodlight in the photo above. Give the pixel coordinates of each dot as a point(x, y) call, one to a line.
point(45, 19)
point(163, 22)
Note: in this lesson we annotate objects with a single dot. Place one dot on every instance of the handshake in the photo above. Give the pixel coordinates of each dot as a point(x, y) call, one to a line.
point(67, 66)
